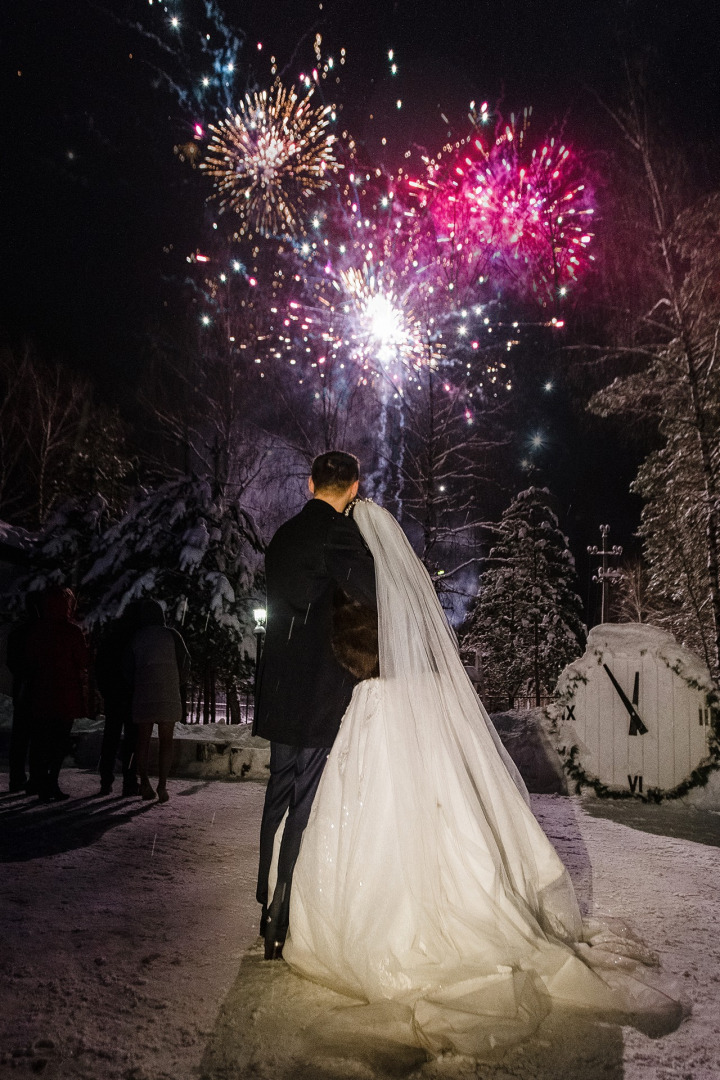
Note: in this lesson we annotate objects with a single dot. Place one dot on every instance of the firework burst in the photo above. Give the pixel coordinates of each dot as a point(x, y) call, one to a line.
point(508, 212)
point(533, 209)
point(384, 333)
point(269, 157)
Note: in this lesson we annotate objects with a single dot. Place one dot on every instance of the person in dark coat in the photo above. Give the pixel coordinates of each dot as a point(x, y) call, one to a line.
point(303, 691)
point(16, 659)
point(57, 664)
point(157, 664)
point(116, 690)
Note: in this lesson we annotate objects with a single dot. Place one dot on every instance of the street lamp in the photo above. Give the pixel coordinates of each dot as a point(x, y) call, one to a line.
point(605, 575)
point(260, 616)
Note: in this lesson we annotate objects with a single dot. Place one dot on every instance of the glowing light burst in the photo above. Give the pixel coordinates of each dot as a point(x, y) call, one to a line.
point(384, 332)
point(269, 157)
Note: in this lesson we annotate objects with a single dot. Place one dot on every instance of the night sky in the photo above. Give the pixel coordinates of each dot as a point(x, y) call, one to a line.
point(98, 214)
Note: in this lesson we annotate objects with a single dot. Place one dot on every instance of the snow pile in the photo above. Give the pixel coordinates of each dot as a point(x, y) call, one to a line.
point(705, 798)
point(637, 639)
point(200, 751)
point(523, 735)
point(220, 752)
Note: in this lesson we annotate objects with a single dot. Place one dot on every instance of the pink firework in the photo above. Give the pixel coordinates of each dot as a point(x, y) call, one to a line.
point(514, 214)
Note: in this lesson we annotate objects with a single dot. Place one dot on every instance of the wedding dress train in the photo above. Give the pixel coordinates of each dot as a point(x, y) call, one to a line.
point(423, 877)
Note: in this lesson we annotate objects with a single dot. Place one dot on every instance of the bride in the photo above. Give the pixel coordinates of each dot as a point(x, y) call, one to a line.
point(423, 878)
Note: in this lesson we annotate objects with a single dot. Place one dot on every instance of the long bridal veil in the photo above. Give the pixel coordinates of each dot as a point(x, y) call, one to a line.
point(423, 877)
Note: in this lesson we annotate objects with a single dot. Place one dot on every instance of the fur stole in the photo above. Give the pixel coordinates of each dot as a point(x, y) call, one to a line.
point(355, 637)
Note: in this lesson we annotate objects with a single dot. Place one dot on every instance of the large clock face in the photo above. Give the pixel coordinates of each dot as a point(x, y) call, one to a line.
point(637, 724)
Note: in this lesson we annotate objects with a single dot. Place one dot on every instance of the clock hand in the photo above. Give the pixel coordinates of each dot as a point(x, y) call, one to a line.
point(636, 725)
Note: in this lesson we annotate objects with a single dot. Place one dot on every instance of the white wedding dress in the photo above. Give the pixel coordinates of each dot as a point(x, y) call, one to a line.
point(423, 878)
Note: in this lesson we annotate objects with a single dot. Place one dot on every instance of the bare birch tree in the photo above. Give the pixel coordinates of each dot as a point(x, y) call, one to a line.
point(56, 442)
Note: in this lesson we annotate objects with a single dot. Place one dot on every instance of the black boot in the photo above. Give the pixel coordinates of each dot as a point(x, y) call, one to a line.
point(275, 934)
point(273, 949)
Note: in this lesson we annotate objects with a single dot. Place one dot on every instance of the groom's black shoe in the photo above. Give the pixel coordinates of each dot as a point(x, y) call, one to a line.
point(274, 936)
point(273, 949)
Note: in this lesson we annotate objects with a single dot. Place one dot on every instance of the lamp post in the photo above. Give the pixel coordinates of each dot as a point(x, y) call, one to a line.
point(260, 616)
point(605, 575)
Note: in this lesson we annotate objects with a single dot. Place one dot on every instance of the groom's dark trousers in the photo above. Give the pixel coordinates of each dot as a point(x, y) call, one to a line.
point(295, 773)
point(303, 691)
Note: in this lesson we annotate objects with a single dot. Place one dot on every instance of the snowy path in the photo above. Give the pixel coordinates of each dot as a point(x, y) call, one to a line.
point(128, 946)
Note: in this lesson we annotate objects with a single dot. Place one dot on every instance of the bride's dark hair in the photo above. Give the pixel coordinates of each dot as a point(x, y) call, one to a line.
point(355, 637)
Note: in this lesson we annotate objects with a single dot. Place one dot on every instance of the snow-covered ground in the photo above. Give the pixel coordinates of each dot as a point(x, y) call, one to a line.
point(128, 946)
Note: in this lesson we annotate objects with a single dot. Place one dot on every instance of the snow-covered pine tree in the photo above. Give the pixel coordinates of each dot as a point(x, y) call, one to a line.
point(526, 624)
point(61, 552)
point(679, 390)
point(673, 526)
point(667, 272)
point(199, 553)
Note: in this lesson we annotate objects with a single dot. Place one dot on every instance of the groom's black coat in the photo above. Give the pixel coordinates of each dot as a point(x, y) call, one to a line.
point(302, 689)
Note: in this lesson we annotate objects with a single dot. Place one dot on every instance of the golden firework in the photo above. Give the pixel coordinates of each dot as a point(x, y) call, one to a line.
point(269, 157)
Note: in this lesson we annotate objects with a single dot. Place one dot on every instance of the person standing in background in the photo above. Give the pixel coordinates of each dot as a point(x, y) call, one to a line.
point(157, 666)
point(16, 660)
point(117, 693)
point(56, 688)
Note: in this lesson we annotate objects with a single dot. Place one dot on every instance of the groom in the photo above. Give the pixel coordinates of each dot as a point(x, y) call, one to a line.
point(303, 691)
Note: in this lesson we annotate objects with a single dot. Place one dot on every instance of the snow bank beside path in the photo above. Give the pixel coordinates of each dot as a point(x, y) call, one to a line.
point(524, 736)
point(128, 947)
point(200, 751)
point(218, 752)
